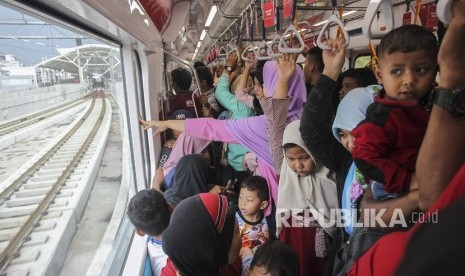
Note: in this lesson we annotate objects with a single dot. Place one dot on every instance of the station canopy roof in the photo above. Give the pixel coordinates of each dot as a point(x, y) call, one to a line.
point(93, 58)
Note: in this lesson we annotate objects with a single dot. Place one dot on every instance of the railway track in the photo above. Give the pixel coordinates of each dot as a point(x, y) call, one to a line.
point(11, 126)
point(40, 202)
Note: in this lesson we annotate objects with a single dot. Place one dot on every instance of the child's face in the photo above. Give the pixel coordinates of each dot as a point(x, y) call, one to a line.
point(347, 139)
point(348, 84)
point(249, 203)
point(407, 76)
point(299, 161)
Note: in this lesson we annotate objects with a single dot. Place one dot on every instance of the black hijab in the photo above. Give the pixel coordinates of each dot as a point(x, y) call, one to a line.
point(190, 178)
point(199, 235)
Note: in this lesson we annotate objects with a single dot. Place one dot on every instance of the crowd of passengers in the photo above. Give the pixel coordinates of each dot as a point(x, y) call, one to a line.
point(313, 171)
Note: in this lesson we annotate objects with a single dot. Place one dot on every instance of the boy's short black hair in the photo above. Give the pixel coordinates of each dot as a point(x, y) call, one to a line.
point(204, 74)
point(408, 38)
point(277, 258)
point(256, 183)
point(182, 78)
point(149, 212)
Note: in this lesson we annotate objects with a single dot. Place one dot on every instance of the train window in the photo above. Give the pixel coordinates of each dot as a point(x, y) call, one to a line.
point(63, 144)
point(362, 61)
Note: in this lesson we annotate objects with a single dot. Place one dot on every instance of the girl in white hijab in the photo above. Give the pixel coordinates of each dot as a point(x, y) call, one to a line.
point(306, 191)
point(306, 196)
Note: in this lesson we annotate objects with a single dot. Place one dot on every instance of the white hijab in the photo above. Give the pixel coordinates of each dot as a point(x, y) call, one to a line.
point(316, 191)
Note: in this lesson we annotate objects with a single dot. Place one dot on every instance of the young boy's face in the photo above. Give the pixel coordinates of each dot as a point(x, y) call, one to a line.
point(407, 76)
point(249, 203)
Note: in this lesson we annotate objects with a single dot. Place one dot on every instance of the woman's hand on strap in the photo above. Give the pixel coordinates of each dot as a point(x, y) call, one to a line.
point(285, 67)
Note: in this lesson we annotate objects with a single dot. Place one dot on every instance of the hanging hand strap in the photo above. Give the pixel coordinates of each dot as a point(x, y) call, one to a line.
point(292, 30)
point(386, 11)
point(332, 19)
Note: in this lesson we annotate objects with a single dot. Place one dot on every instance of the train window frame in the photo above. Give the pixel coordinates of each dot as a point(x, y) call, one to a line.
point(141, 105)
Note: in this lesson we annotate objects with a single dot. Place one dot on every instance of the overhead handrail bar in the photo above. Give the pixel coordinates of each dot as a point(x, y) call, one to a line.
point(227, 16)
point(372, 9)
point(332, 19)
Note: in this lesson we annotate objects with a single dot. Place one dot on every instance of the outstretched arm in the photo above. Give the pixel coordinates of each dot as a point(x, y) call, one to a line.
point(205, 128)
point(160, 126)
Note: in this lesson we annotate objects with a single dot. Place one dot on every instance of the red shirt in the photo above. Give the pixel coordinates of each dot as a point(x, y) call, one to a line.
point(387, 142)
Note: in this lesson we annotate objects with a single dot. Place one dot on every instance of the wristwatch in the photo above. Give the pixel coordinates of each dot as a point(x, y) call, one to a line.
point(451, 99)
point(228, 68)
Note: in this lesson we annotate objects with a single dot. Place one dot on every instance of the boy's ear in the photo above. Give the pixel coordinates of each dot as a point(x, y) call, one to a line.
point(264, 204)
point(140, 233)
point(377, 72)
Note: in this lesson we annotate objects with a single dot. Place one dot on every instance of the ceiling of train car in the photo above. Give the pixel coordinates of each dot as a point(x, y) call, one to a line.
point(223, 28)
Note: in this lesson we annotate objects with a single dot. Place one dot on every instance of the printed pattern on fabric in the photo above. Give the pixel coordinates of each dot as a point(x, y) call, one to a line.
point(253, 235)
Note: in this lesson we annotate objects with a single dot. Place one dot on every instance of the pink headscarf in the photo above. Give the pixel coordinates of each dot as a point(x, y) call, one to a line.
point(184, 145)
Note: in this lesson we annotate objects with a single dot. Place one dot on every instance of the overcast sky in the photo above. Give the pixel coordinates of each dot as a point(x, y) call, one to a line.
point(31, 51)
